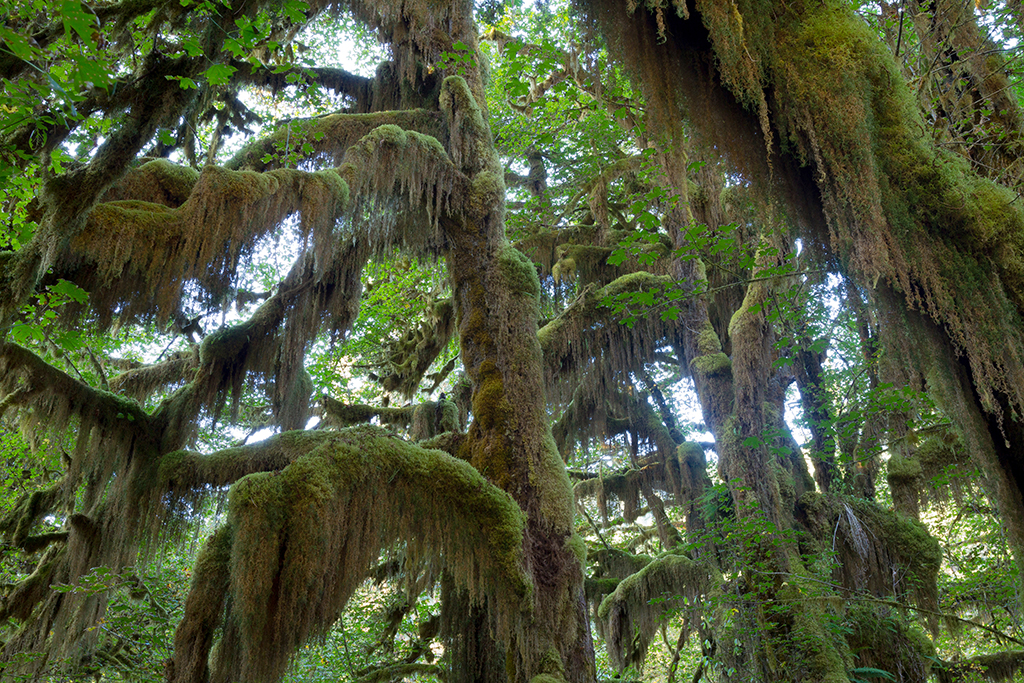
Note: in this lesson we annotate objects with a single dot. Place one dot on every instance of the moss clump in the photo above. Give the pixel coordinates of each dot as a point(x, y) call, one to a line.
point(490, 405)
point(712, 365)
point(904, 470)
point(596, 589)
point(633, 614)
point(519, 273)
point(431, 419)
point(708, 343)
point(486, 191)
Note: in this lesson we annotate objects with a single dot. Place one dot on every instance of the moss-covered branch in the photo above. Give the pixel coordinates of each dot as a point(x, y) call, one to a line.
point(635, 611)
point(58, 396)
point(997, 667)
point(400, 671)
point(185, 471)
point(329, 136)
point(341, 414)
point(319, 525)
point(588, 329)
point(340, 81)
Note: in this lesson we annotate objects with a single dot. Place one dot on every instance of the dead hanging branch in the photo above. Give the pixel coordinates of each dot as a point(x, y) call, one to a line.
point(332, 501)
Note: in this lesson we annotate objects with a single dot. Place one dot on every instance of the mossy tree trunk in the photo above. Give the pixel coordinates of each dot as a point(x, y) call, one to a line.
point(496, 293)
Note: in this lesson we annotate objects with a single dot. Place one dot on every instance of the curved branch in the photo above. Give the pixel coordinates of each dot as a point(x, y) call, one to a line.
point(303, 539)
point(400, 671)
point(329, 137)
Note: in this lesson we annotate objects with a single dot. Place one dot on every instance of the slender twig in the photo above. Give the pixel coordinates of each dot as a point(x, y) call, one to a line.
point(899, 34)
point(594, 526)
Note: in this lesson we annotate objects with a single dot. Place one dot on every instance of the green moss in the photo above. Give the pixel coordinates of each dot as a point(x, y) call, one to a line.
point(490, 405)
point(712, 365)
point(176, 179)
point(935, 454)
point(815, 507)
point(708, 343)
point(667, 570)
point(903, 469)
point(634, 282)
point(597, 588)
point(428, 142)
point(547, 678)
point(171, 465)
point(518, 271)
point(691, 453)
point(457, 97)
point(885, 639)
point(486, 192)
point(389, 133)
point(336, 184)
point(262, 491)
point(909, 537)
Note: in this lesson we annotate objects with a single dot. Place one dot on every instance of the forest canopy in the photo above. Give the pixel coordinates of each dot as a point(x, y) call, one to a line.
point(497, 341)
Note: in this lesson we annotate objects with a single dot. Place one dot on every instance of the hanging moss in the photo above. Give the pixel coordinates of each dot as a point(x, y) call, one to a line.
point(1000, 667)
point(156, 249)
point(329, 137)
point(28, 511)
point(873, 545)
point(411, 355)
point(289, 567)
point(430, 419)
point(204, 610)
point(797, 638)
point(633, 614)
point(23, 598)
point(713, 365)
point(158, 181)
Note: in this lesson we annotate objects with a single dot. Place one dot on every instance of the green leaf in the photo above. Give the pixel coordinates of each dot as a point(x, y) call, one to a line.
point(18, 45)
point(192, 47)
point(296, 10)
point(70, 290)
point(752, 442)
point(76, 19)
point(24, 333)
point(219, 74)
point(872, 672)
